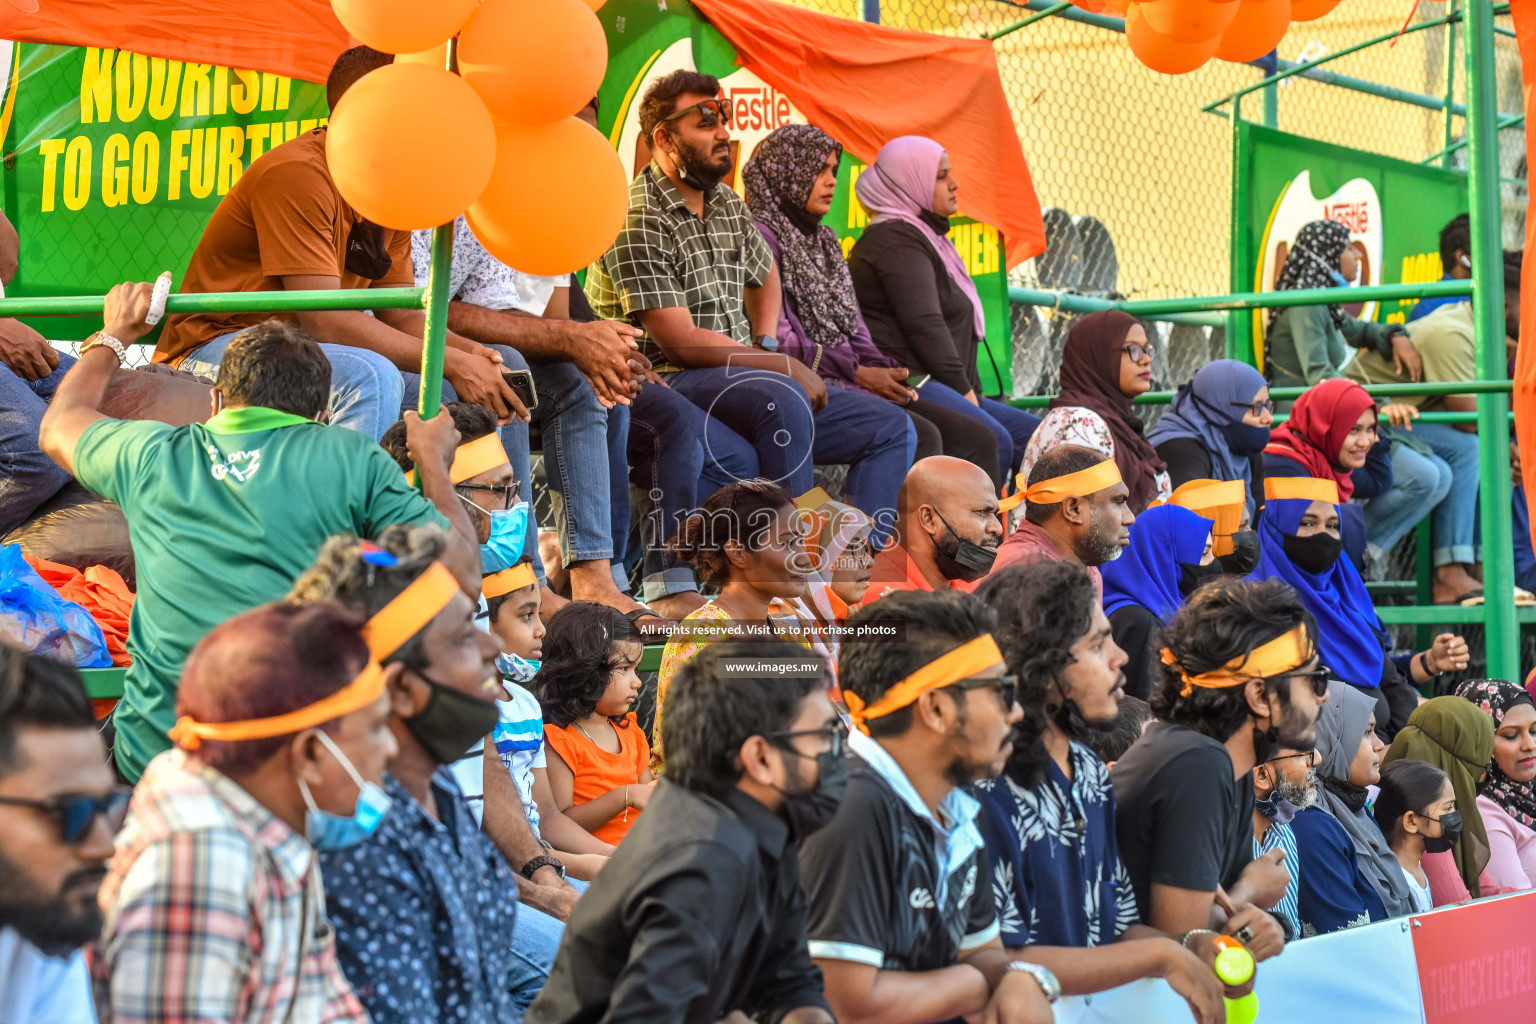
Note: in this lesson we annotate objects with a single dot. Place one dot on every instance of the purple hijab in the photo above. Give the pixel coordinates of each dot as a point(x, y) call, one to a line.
point(900, 187)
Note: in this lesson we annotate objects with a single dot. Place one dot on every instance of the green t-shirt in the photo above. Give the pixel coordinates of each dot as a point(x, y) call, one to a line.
point(223, 517)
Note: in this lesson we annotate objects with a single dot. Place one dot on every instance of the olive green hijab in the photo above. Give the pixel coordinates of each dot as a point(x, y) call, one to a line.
point(1455, 736)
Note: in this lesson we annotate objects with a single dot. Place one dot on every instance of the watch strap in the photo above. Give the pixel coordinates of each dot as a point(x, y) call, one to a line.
point(541, 861)
point(1048, 983)
point(101, 339)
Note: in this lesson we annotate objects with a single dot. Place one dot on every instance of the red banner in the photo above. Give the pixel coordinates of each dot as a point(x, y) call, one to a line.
point(1478, 965)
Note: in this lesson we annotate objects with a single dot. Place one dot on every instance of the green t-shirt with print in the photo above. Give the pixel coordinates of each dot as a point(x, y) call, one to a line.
point(224, 516)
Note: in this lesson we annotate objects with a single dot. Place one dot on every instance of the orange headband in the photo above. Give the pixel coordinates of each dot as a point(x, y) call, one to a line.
point(508, 580)
point(359, 693)
point(414, 607)
point(1221, 501)
point(472, 459)
point(1073, 485)
point(962, 662)
point(1282, 654)
point(1300, 488)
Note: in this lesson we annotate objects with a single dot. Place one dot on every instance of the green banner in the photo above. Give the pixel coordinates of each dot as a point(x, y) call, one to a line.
point(114, 161)
point(1394, 211)
point(647, 40)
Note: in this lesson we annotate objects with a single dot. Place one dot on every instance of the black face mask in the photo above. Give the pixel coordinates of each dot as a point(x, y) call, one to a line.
point(1450, 832)
point(1244, 556)
point(451, 722)
point(701, 178)
point(367, 256)
point(966, 560)
point(1315, 554)
point(810, 809)
point(1192, 577)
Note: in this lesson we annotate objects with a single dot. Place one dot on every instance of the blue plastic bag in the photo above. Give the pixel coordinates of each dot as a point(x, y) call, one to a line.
point(35, 618)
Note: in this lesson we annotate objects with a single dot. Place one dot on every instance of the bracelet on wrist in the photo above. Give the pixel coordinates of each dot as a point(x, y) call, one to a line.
point(1184, 939)
point(101, 339)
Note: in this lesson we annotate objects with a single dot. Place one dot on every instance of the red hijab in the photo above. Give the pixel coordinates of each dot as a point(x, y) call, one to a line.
point(1320, 421)
point(1090, 378)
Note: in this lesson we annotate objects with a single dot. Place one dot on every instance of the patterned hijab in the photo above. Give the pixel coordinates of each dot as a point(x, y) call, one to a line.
point(1497, 698)
point(1312, 262)
point(779, 179)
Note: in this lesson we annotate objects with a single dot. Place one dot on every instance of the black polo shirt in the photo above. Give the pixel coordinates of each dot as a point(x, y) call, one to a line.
point(699, 912)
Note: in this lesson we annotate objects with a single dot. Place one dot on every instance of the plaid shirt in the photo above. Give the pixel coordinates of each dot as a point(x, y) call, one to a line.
point(214, 911)
point(667, 257)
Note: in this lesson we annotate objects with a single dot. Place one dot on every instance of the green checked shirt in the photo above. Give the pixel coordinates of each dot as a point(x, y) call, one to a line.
point(667, 257)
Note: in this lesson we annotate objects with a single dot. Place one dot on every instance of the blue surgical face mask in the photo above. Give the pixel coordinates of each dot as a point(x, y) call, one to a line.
point(326, 831)
point(517, 668)
point(1339, 279)
point(509, 534)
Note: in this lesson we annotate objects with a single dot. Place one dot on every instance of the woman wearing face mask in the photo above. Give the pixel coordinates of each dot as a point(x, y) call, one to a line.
point(1217, 427)
point(790, 181)
point(1226, 503)
point(1416, 809)
point(917, 296)
point(1169, 556)
point(1106, 362)
point(1456, 737)
point(1300, 540)
point(1507, 797)
point(1349, 761)
point(749, 540)
point(1305, 345)
point(282, 735)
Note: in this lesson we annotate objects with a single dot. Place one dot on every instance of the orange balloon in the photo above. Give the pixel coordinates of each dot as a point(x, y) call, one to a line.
point(402, 26)
point(533, 61)
point(436, 56)
point(1311, 10)
point(1188, 21)
point(557, 198)
point(1160, 53)
point(1258, 28)
point(410, 146)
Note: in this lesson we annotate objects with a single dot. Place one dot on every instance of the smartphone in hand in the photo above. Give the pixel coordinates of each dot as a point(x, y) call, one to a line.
point(521, 383)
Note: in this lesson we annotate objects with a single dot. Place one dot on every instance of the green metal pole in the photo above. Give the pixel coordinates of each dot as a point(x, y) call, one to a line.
point(434, 338)
point(1160, 309)
point(1503, 633)
point(1238, 342)
point(1450, 82)
point(1054, 9)
point(224, 302)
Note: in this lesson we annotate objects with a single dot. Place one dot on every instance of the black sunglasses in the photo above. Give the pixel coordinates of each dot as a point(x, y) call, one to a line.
point(1007, 688)
point(507, 493)
point(710, 111)
point(1319, 677)
point(838, 734)
point(76, 814)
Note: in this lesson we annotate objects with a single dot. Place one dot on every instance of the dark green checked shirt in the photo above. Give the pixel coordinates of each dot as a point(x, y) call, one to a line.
point(666, 257)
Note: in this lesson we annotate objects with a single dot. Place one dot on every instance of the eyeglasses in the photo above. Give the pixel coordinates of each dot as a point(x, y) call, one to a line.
point(838, 734)
point(1137, 351)
point(1319, 677)
point(76, 814)
point(506, 494)
point(1007, 688)
point(710, 112)
point(1314, 758)
point(1257, 408)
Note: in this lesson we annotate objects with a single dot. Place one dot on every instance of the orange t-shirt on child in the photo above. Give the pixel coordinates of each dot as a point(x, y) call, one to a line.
point(597, 771)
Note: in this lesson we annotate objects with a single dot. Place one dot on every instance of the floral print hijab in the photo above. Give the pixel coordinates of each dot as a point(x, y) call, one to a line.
point(1496, 698)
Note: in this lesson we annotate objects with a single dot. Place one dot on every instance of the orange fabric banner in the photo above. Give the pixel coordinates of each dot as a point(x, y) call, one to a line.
point(297, 38)
point(865, 85)
point(1523, 400)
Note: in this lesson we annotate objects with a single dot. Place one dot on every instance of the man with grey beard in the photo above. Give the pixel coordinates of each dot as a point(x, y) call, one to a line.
point(1075, 510)
point(1282, 785)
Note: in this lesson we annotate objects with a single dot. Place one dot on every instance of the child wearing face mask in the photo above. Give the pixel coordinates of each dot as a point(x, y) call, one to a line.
point(1416, 810)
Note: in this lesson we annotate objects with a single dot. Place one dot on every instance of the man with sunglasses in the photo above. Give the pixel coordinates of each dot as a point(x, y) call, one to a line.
point(1282, 785)
point(903, 924)
point(59, 809)
point(699, 916)
point(1240, 682)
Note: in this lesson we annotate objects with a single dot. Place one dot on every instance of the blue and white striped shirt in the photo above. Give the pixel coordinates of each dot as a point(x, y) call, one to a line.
point(1280, 836)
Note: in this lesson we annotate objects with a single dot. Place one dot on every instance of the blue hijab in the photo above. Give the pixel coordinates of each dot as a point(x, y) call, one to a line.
point(1350, 638)
point(1164, 538)
point(1203, 410)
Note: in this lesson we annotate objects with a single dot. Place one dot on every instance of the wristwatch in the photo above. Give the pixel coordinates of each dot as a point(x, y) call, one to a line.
point(104, 340)
point(1043, 975)
point(541, 861)
point(766, 342)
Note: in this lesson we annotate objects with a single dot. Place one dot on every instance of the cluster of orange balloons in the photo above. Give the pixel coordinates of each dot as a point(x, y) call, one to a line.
point(413, 145)
point(1178, 36)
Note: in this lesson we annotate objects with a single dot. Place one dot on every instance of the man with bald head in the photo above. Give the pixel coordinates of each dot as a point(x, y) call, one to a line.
point(947, 530)
point(1076, 509)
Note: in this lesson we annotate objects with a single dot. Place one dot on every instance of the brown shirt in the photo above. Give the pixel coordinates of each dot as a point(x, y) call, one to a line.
point(284, 216)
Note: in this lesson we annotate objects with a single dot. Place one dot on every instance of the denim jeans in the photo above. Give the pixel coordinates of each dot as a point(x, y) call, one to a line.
point(874, 437)
point(365, 387)
point(1454, 520)
point(535, 941)
point(1012, 427)
point(1419, 483)
point(27, 476)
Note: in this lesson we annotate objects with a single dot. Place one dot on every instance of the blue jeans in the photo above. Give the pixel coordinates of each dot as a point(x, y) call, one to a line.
point(1012, 427)
point(27, 476)
point(1419, 483)
point(535, 941)
point(872, 436)
point(1454, 520)
point(365, 387)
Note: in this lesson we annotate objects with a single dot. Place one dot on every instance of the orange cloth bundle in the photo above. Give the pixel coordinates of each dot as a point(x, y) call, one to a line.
point(101, 592)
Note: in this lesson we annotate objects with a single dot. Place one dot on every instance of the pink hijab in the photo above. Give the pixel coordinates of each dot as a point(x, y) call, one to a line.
point(900, 187)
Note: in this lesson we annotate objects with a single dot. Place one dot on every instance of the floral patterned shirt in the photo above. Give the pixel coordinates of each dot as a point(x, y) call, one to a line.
point(1075, 425)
